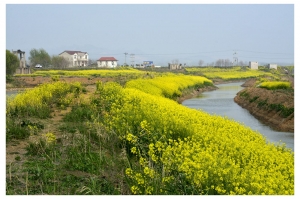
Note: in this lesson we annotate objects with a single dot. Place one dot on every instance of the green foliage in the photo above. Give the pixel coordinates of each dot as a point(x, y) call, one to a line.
point(284, 111)
point(244, 94)
point(12, 63)
point(39, 57)
point(59, 62)
point(254, 99)
point(79, 113)
point(15, 130)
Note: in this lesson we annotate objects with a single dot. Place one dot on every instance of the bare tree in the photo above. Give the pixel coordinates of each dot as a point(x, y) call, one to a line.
point(175, 61)
point(59, 62)
point(201, 62)
point(241, 63)
point(92, 63)
point(219, 62)
point(227, 62)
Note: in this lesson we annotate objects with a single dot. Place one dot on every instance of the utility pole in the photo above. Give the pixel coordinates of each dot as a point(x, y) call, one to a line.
point(125, 59)
point(132, 59)
point(235, 59)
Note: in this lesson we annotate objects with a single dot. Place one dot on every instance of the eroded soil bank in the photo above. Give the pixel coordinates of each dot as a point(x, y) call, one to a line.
point(274, 108)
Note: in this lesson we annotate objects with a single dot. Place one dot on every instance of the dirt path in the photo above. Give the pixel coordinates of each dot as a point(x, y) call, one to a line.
point(16, 149)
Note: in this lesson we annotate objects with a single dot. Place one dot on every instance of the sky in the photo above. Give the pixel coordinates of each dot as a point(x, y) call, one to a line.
point(161, 33)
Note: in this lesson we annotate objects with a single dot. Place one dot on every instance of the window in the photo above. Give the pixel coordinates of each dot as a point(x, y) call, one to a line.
point(85, 56)
point(75, 56)
point(112, 63)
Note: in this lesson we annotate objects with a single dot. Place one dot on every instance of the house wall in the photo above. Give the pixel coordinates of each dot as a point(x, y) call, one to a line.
point(253, 65)
point(68, 57)
point(272, 66)
point(77, 59)
point(82, 59)
point(107, 64)
point(174, 66)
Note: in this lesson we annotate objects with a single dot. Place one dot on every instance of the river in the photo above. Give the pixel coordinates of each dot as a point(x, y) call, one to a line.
point(220, 102)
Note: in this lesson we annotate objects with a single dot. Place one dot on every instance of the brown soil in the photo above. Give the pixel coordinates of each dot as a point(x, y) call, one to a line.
point(195, 93)
point(268, 117)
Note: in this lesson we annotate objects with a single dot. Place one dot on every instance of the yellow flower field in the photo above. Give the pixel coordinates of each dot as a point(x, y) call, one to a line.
point(169, 86)
point(229, 73)
point(210, 154)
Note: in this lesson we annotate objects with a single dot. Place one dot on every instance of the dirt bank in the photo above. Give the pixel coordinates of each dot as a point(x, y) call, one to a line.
point(274, 108)
point(190, 94)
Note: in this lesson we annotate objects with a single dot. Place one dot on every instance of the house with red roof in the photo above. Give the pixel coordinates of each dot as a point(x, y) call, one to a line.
point(75, 58)
point(107, 62)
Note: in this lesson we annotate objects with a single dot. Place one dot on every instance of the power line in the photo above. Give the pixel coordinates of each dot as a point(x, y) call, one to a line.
point(269, 57)
point(201, 52)
point(265, 52)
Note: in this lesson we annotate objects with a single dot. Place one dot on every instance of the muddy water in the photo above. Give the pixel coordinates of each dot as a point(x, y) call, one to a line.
point(220, 102)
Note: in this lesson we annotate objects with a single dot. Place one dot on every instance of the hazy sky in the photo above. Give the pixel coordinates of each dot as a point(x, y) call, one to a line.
point(156, 32)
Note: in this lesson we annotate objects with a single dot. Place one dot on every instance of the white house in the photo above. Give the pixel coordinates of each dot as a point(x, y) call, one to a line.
point(272, 66)
point(107, 62)
point(253, 65)
point(174, 66)
point(76, 58)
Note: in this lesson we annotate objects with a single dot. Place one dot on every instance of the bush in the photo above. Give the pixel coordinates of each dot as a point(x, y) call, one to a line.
point(275, 85)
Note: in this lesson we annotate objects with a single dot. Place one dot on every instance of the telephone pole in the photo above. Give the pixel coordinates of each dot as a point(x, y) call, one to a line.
point(125, 59)
point(132, 59)
point(235, 59)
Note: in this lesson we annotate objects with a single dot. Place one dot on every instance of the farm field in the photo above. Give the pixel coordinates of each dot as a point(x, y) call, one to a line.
point(128, 135)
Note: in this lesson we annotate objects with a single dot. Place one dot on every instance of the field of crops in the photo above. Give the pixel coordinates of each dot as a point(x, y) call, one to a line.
point(169, 86)
point(87, 73)
point(275, 85)
point(141, 142)
point(233, 73)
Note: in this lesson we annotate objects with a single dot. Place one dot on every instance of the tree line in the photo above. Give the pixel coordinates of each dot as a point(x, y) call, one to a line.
point(36, 56)
point(40, 56)
point(222, 63)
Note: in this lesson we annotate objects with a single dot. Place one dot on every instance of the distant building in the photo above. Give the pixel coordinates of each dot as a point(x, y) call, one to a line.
point(174, 66)
point(107, 62)
point(253, 65)
point(139, 66)
point(76, 58)
point(272, 66)
point(23, 69)
point(147, 63)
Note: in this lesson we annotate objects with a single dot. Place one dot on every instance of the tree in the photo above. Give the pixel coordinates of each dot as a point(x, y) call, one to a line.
point(227, 62)
point(12, 63)
point(201, 62)
point(59, 62)
point(219, 62)
point(175, 61)
point(39, 57)
point(241, 63)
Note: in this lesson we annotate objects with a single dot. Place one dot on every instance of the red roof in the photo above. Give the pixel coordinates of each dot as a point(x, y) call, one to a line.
point(72, 52)
point(107, 59)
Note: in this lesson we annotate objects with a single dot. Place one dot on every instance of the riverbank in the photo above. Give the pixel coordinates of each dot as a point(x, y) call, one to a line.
point(274, 108)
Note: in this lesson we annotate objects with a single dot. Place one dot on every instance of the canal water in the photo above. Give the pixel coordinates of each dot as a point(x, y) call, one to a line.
point(12, 93)
point(220, 102)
